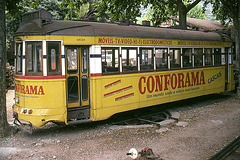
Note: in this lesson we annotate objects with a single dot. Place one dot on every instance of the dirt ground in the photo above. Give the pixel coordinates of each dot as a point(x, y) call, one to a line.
point(212, 122)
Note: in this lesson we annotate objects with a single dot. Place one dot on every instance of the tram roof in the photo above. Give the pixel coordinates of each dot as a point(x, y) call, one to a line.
point(83, 28)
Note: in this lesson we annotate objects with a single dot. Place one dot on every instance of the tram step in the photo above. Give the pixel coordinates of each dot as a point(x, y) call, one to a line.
point(72, 122)
point(78, 113)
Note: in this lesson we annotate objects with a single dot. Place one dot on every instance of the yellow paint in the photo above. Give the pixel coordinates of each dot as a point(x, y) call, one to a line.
point(92, 40)
point(113, 94)
point(124, 94)
point(49, 106)
point(117, 93)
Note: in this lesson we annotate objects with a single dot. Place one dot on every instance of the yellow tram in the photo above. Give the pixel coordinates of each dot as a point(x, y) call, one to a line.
point(77, 72)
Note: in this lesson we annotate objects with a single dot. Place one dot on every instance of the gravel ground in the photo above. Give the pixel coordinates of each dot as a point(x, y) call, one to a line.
point(211, 123)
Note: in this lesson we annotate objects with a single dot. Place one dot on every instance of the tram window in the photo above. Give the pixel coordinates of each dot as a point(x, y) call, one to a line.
point(72, 60)
point(129, 60)
point(73, 89)
point(217, 56)
point(161, 58)
point(18, 57)
point(34, 58)
point(54, 59)
point(198, 57)
point(84, 60)
point(84, 88)
point(175, 58)
point(187, 57)
point(146, 59)
point(110, 60)
point(208, 56)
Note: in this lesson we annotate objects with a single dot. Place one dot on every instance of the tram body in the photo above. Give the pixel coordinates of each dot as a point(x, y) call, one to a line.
point(76, 72)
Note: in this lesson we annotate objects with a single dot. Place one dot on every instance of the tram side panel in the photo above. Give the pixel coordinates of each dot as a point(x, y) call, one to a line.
point(113, 94)
point(40, 101)
point(182, 84)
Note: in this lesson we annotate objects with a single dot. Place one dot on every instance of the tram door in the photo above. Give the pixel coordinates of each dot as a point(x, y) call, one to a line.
point(77, 76)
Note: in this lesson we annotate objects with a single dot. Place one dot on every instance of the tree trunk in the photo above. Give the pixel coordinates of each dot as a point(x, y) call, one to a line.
point(183, 10)
point(182, 15)
point(236, 22)
point(3, 116)
point(182, 19)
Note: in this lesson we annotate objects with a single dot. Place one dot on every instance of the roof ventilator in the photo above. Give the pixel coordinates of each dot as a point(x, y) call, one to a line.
point(146, 23)
point(39, 17)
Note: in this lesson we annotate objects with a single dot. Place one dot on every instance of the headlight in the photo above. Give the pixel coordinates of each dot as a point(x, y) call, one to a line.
point(17, 99)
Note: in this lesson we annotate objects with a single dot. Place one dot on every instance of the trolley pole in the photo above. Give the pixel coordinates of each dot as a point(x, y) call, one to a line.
point(3, 116)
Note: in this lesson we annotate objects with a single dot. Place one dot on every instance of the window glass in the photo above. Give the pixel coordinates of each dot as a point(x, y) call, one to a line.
point(161, 58)
point(187, 57)
point(198, 57)
point(208, 56)
point(175, 58)
point(129, 60)
point(84, 60)
point(18, 57)
point(53, 57)
point(34, 57)
point(146, 59)
point(72, 60)
point(72, 89)
point(217, 56)
point(110, 60)
point(84, 88)
point(124, 57)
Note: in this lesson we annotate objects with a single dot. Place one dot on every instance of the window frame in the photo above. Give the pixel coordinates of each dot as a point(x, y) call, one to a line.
point(70, 72)
point(129, 48)
point(219, 54)
point(85, 61)
point(26, 57)
point(195, 58)
point(175, 68)
point(205, 57)
point(16, 54)
point(155, 56)
point(113, 50)
point(140, 56)
point(187, 67)
point(60, 59)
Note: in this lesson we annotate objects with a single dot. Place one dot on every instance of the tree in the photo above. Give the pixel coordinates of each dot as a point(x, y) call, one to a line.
point(60, 9)
point(11, 7)
point(73, 8)
point(228, 11)
point(164, 10)
point(3, 116)
point(197, 12)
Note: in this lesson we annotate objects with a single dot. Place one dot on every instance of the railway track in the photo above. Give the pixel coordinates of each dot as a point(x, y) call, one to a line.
point(227, 153)
point(151, 118)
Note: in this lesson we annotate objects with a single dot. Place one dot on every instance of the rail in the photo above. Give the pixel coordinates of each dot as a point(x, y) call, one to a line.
point(227, 150)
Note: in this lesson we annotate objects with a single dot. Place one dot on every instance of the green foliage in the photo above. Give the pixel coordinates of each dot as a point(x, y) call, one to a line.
point(163, 11)
point(224, 10)
point(197, 12)
point(60, 9)
point(117, 10)
point(75, 8)
point(160, 10)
